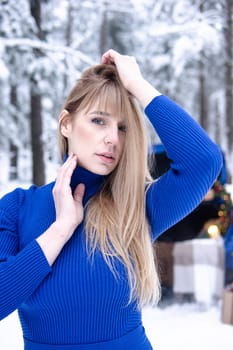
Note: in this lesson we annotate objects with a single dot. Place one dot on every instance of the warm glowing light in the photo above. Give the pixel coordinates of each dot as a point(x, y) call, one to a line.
point(213, 231)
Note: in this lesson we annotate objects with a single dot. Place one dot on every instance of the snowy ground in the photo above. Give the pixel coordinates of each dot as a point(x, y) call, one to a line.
point(177, 327)
point(182, 327)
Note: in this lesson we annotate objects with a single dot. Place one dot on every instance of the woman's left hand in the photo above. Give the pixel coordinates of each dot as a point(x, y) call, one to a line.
point(127, 68)
point(131, 77)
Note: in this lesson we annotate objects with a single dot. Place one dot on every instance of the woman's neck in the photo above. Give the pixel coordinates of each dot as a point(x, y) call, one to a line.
point(93, 182)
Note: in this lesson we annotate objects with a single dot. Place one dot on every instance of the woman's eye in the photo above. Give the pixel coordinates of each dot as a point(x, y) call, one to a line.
point(98, 121)
point(122, 128)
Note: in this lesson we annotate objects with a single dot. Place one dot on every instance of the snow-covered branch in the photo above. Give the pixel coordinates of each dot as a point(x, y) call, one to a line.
point(161, 30)
point(109, 5)
point(43, 46)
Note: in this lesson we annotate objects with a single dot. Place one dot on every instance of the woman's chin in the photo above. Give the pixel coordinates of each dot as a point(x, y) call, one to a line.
point(100, 169)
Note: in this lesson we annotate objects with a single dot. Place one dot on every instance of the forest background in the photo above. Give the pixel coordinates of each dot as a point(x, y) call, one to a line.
point(184, 48)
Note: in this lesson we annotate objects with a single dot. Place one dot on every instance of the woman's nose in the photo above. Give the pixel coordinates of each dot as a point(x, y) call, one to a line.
point(112, 136)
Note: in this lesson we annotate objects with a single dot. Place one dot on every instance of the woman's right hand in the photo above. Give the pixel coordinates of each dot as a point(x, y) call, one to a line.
point(69, 207)
point(69, 212)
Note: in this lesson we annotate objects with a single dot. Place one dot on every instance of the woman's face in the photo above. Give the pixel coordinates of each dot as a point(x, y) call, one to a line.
point(97, 137)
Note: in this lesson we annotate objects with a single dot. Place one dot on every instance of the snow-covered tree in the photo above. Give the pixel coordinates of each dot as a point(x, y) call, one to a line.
point(180, 46)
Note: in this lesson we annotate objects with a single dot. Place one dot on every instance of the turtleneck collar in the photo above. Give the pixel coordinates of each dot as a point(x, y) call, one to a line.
point(92, 181)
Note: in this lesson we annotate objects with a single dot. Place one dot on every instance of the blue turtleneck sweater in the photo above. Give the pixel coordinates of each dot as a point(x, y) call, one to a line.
point(78, 303)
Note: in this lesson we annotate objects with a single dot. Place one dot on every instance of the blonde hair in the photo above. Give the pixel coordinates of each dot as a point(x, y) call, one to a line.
point(116, 222)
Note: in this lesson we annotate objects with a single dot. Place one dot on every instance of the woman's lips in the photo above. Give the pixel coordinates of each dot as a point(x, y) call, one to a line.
point(106, 158)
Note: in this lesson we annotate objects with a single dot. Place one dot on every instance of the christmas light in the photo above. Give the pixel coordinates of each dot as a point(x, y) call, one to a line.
point(213, 231)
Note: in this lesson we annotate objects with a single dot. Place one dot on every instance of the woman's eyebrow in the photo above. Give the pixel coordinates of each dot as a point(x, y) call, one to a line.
point(106, 114)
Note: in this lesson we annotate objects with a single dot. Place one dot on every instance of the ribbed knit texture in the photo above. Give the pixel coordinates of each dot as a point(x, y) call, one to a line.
point(196, 163)
point(78, 300)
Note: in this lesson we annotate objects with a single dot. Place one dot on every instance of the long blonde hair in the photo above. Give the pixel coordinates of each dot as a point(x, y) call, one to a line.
point(116, 220)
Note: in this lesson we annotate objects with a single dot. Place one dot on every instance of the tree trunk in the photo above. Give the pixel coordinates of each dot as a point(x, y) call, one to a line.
point(13, 147)
point(38, 166)
point(203, 95)
point(202, 84)
point(38, 169)
point(217, 124)
point(68, 39)
point(103, 43)
point(70, 21)
point(228, 33)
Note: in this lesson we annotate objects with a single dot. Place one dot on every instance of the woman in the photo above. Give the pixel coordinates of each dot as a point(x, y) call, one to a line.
point(76, 255)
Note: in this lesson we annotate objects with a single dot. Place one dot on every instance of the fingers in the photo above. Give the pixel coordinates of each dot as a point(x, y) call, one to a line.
point(110, 56)
point(65, 173)
point(79, 193)
point(128, 70)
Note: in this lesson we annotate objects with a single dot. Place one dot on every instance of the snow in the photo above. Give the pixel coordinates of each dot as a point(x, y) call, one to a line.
point(46, 46)
point(229, 188)
point(178, 326)
point(187, 326)
point(4, 73)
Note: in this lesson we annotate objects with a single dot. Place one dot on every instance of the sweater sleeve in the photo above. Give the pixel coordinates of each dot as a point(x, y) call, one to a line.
point(196, 163)
point(21, 271)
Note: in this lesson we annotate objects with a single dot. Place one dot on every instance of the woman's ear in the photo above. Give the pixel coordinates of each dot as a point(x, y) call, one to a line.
point(65, 123)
